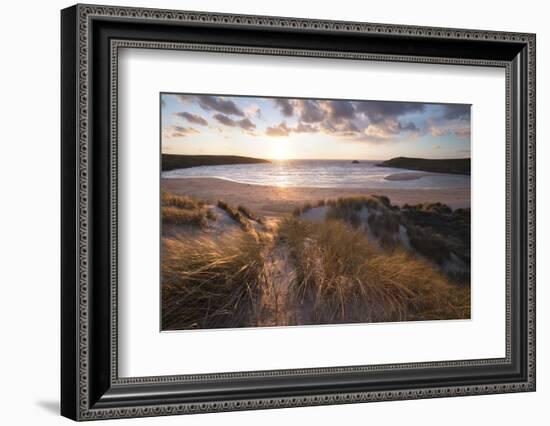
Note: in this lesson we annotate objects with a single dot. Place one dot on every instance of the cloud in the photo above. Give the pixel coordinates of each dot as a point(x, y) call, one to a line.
point(279, 130)
point(448, 128)
point(244, 124)
point(456, 112)
point(305, 128)
point(378, 132)
point(253, 110)
point(282, 129)
point(340, 117)
point(377, 111)
point(367, 121)
point(452, 119)
point(178, 131)
point(338, 111)
point(437, 131)
point(310, 111)
point(214, 103)
point(286, 106)
point(192, 118)
point(389, 128)
point(409, 127)
point(225, 120)
point(455, 119)
point(463, 133)
point(348, 126)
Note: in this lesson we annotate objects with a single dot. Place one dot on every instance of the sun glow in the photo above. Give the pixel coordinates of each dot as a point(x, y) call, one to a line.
point(280, 151)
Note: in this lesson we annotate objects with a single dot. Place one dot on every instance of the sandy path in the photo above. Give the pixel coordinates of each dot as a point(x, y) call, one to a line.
point(275, 201)
point(276, 304)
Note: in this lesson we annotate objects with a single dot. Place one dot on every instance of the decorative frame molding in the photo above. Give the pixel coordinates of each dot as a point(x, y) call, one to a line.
point(91, 388)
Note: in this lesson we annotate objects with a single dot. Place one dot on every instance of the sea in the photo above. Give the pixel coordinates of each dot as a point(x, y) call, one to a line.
point(322, 174)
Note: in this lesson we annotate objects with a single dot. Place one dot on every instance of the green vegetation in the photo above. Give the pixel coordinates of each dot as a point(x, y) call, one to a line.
point(459, 166)
point(174, 161)
point(439, 233)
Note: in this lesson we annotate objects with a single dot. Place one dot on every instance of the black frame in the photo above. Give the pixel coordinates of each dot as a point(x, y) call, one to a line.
point(91, 37)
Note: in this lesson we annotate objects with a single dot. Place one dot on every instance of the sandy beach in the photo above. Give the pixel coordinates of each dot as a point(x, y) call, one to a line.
point(273, 201)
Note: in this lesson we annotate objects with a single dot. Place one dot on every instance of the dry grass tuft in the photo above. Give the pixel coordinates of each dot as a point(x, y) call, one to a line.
point(177, 216)
point(234, 214)
point(211, 282)
point(300, 210)
point(358, 202)
point(183, 210)
point(249, 214)
point(180, 201)
point(345, 278)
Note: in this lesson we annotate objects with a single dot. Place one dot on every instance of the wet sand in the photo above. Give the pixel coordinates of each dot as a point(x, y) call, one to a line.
point(276, 201)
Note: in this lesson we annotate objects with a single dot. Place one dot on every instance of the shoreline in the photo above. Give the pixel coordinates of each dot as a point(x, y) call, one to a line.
point(274, 201)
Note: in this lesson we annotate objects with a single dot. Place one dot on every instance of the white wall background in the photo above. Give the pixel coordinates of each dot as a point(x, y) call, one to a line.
point(29, 225)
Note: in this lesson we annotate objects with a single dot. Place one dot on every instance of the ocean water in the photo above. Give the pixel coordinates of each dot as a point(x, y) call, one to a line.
point(320, 174)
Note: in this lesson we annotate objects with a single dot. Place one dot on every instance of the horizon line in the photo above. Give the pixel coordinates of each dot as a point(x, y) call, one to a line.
point(317, 159)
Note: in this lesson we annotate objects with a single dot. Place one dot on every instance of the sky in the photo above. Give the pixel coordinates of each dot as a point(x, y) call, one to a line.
point(287, 128)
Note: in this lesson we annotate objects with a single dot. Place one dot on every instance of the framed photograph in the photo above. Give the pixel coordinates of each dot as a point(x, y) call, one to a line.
point(263, 212)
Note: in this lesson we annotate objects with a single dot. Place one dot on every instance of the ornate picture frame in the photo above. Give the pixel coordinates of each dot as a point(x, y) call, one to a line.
point(91, 38)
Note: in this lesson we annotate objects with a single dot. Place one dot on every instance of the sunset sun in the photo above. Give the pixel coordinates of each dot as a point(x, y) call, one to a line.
point(280, 151)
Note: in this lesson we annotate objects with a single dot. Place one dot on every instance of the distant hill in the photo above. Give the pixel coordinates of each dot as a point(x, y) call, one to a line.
point(459, 166)
point(174, 161)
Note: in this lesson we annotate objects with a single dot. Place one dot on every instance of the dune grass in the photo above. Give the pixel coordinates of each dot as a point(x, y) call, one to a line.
point(434, 230)
point(235, 214)
point(345, 278)
point(342, 204)
point(249, 214)
point(183, 210)
point(358, 202)
point(210, 282)
point(338, 272)
point(180, 201)
point(177, 216)
point(303, 208)
point(383, 219)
